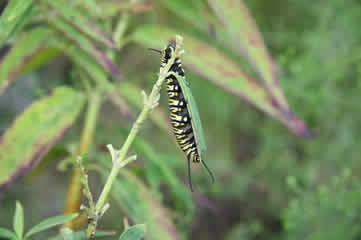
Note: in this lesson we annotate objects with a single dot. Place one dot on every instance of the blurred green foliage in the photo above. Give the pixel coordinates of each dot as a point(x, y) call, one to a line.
point(270, 183)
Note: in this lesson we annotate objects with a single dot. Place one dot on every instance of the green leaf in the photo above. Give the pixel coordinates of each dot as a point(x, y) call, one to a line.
point(74, 17)
point(49, 223)
point(212, 64)
point(14, 15)
point(194, 115)
point(95, 71)
point(245, 34)
point(4, 233)
point(133, 233)
point(35, 131)
point(13, 63)
point(39, 58)
point(86, 45)
point(18, 222)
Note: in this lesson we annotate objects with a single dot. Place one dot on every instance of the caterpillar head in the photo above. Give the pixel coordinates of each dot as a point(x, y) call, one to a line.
point(168, 52)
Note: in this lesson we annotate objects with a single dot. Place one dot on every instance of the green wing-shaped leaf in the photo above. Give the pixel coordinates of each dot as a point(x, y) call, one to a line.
point(194, 114)
point(18, 222)
point(133, 233)
point(35, 131)
point(49, 223)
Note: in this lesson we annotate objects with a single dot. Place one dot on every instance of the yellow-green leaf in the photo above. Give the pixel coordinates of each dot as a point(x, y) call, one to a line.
point(49, 223)
point(35, 131)
point(18, 222)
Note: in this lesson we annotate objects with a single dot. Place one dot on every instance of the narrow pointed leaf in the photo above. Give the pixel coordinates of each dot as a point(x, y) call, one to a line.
point(92, 67)
point(4, 233)
point(18, 222)
point(245, 34)
point(13, 63)
point(210, 63)
point(14, 15)
point(49, 223)
point(73, 16)
point(89, 64)
point(86, 45)
point(35, 131)
point(136, 232)
point(199, 14)
point(40, 58)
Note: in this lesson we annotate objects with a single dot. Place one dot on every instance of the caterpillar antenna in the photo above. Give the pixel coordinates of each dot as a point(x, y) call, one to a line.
point(155, 50)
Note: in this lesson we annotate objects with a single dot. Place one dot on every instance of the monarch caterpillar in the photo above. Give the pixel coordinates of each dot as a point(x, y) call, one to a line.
point(184, 115)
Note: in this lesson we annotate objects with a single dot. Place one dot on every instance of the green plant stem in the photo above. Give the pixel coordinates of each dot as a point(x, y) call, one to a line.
point(149, 104)
point(120, 29)
point(74, 192)
point(91, 119)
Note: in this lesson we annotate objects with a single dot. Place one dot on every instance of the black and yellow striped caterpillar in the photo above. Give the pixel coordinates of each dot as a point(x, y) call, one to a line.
point(184, 114)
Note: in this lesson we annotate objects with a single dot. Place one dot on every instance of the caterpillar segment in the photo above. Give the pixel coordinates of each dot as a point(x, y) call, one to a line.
point(180, 114)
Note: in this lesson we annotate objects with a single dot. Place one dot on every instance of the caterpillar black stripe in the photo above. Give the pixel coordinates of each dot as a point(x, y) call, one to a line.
point(180, 116)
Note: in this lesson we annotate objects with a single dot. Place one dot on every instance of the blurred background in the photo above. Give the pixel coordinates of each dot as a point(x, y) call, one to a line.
point(273, 181)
